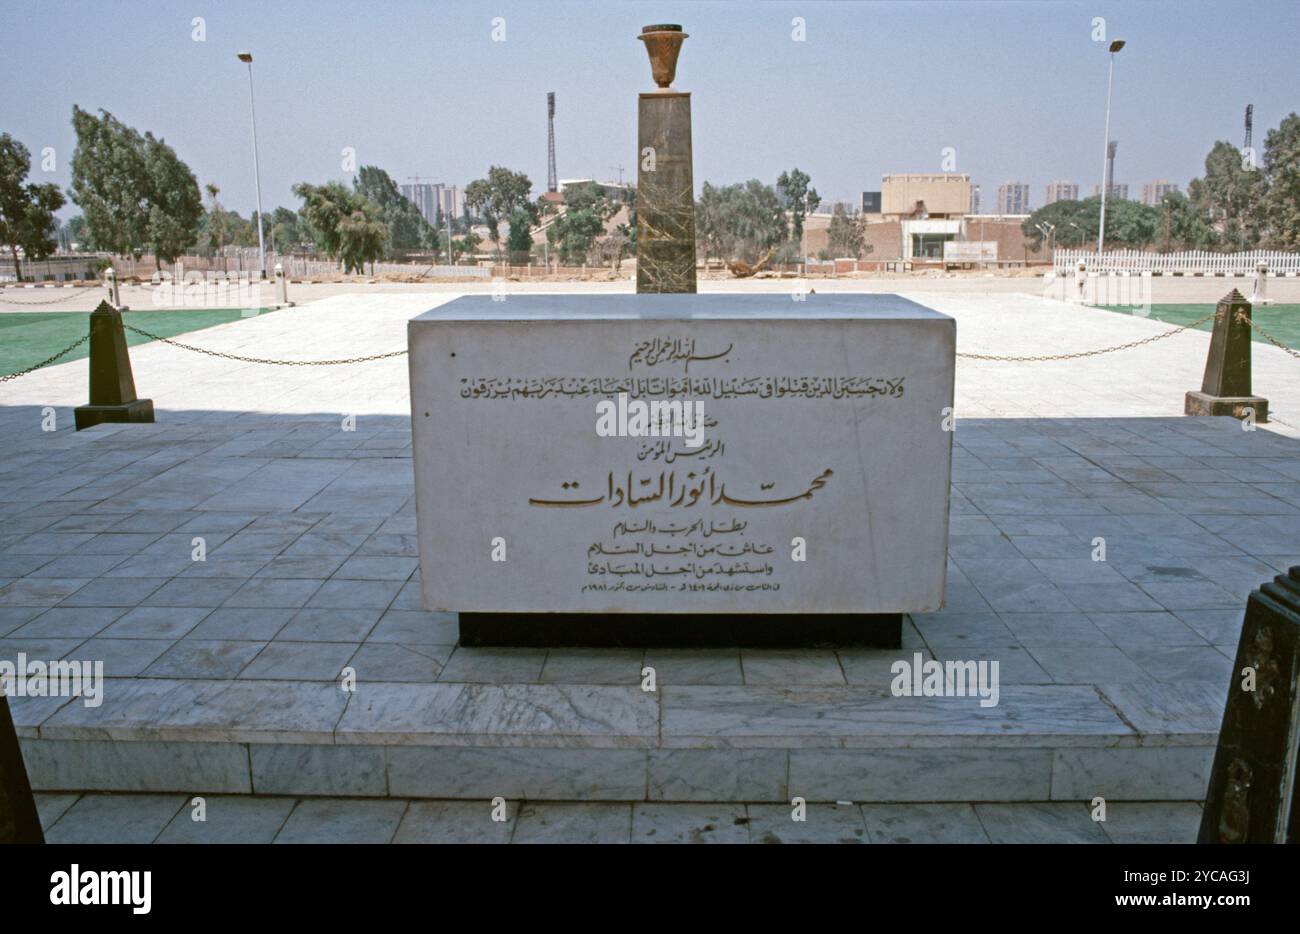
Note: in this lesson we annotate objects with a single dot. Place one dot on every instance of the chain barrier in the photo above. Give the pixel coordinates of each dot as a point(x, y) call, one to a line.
point(1242, 316)
point(64, 352)
point(1037, 358)
point(243, 359)
point(1088, 353)
point(75, 293)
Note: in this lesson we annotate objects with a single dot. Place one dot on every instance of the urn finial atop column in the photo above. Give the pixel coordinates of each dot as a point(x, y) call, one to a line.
point(663, 42)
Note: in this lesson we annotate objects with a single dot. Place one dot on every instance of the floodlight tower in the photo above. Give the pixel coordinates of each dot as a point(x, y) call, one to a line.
point(1106, 165)
point(552, 183)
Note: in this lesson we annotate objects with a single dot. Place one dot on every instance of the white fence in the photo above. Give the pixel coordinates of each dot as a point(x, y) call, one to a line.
point(242, 261)
point(1188, 263)
point(296, 268)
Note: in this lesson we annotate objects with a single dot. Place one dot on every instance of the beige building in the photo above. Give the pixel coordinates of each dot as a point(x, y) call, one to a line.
point(922, 240)
point(918, 214)
point(1116, 190)
point(1154, 192)
point(1061, 191)
point(1013, 198)
point(942, 195)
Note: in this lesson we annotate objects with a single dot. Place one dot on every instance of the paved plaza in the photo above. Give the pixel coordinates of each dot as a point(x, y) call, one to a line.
point(224, 673)
point(100, 818)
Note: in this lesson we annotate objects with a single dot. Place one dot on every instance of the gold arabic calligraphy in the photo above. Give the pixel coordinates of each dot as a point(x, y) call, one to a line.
point(674, 387)
point(697, 486)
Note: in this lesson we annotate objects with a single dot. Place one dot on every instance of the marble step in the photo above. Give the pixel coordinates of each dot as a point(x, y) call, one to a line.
point(1141, 741)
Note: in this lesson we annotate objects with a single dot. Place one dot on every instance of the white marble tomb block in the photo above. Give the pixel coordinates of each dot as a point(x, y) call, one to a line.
point(554, 475)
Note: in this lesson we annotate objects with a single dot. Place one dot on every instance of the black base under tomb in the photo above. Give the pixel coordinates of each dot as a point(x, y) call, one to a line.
point(683, 631)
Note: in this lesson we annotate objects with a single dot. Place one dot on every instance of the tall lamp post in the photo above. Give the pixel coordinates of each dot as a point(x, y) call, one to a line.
point(1105, 146)
point(247, 59)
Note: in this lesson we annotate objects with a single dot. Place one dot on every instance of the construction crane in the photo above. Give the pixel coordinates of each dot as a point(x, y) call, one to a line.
point(1250, 125)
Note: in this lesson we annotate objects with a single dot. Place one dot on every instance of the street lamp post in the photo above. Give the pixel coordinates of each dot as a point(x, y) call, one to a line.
point(247, 59)
point(1048, 232)
point(1105, 146)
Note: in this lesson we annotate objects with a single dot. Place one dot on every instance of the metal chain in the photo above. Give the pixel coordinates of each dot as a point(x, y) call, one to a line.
point(1242, 316)
point(1088, 353)
point(46, 362)
point(397, 353)
point(76, 293)
point(242, 359)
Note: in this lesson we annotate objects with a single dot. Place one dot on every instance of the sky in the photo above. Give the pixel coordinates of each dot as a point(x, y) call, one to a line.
point(1017, 89)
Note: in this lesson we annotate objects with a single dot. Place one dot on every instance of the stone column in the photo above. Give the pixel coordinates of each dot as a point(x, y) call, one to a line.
point(665, 193)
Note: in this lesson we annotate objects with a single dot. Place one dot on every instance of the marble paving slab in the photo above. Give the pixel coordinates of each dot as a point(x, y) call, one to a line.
point(864, 716)
point(513, 714)
point(204, 711)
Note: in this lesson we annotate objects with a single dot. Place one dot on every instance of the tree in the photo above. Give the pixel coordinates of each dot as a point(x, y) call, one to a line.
point(216, 219)
point(799, 199)
point(1282, 175)
point(1131, 224)
point(289, 230)
point(134, 190)
point(574, 233)
point(324, 208)
point(1230, 197)
point(108, 182)
point(739, 221)
point(847, 235)
point(467, 245)
point(1075, 222)
point(346, 225)
point(628, 230)
point(175, 206)
point(1128, 223)
point(79, 234)
point(1181, 227)
point(26, 210)
point(407, 228)
point(504, 196)
point(363, 237)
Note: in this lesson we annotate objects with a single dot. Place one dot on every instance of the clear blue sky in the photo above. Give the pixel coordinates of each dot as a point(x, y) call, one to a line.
point(1018, 89)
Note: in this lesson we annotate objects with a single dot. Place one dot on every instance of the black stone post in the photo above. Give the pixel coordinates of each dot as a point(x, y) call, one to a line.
point(1252, 796)
point(1226, 387)
point(112, 387)
point(19, 822)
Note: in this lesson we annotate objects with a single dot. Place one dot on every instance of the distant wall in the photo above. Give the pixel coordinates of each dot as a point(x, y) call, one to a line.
point(53, 269)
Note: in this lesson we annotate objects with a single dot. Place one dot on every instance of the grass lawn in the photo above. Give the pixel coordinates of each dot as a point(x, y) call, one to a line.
point(28, 337)
point(1282, 321)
